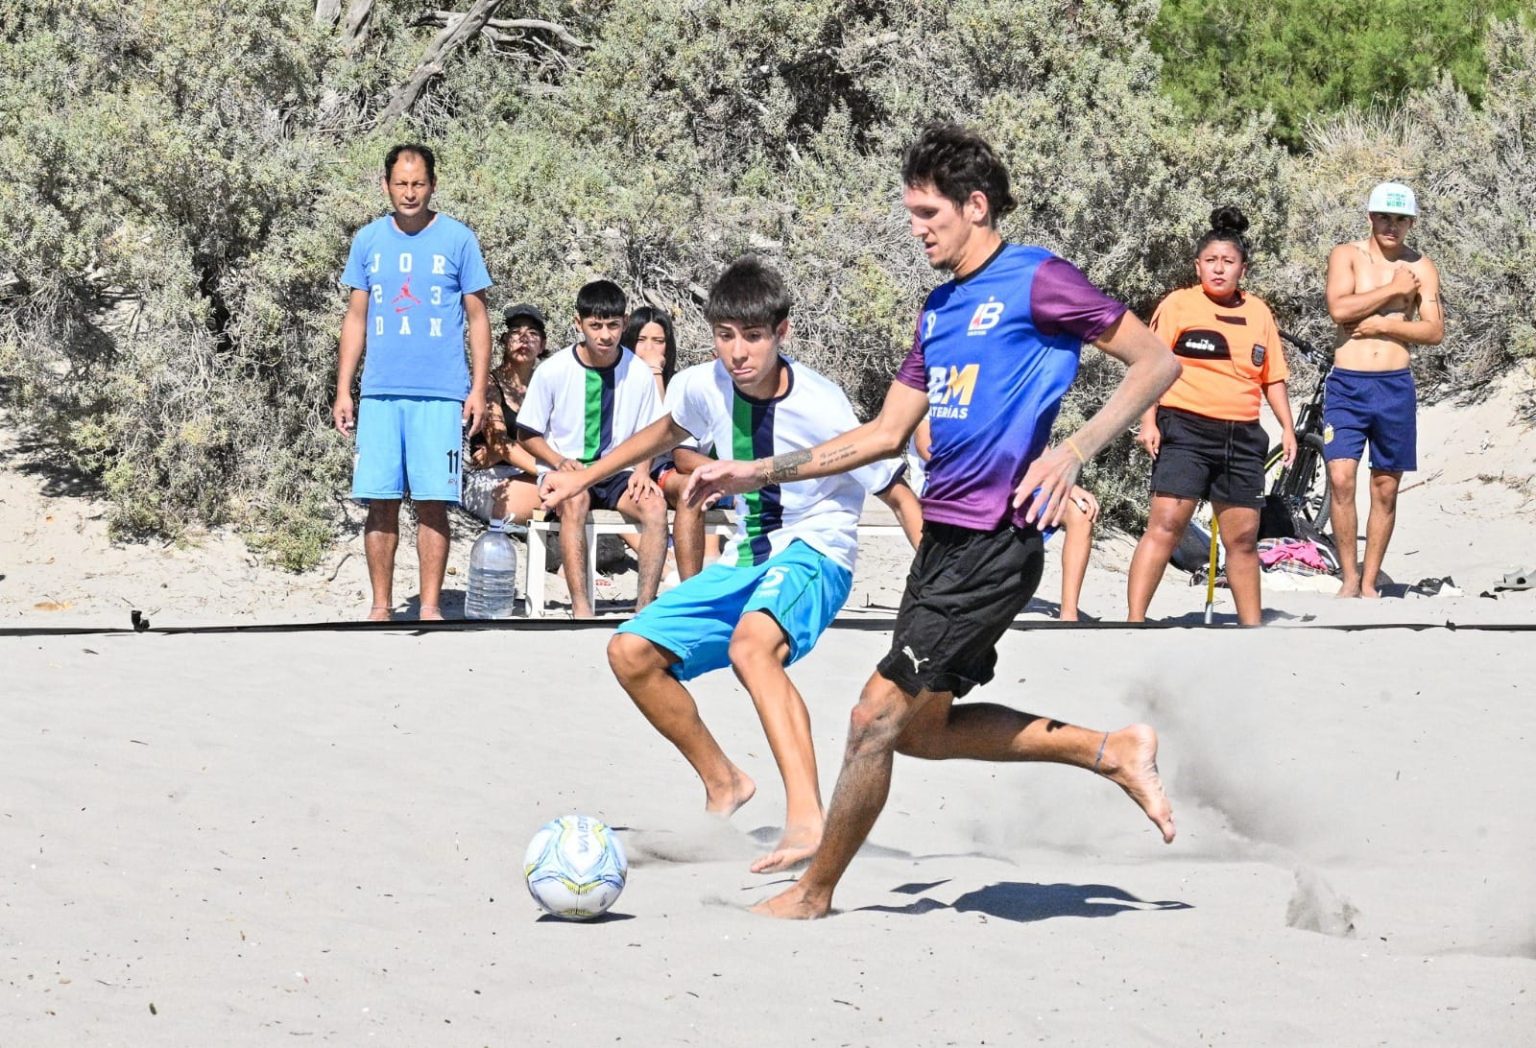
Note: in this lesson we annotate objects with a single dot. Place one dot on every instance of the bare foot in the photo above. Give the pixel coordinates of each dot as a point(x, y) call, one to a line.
point(430, 613)
point(1349, 588)
point(725, 801)
point(379, 614)
point(1370, 592)
point(797, 845)
point(792, 905)
point(1067, 616)
point(1130, 762)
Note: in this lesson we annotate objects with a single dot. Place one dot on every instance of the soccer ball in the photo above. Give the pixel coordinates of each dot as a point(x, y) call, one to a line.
point(575, 867)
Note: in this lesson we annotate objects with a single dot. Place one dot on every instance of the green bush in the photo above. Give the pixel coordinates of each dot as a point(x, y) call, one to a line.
point(1299, 59)
point(184, 179)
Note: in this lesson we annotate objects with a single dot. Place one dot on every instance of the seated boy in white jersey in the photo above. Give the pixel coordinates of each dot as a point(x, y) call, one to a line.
point(582, 403)
point(784, 576)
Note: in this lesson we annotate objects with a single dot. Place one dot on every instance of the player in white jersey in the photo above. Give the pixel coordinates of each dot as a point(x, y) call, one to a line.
point(785, 575)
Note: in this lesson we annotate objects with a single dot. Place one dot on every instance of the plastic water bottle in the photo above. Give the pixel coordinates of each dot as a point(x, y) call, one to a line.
point(492, 575)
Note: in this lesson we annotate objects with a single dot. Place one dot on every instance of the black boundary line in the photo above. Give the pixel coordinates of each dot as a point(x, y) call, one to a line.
point(140, 624)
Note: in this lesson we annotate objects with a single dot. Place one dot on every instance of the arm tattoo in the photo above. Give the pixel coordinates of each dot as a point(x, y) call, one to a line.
point(784, 467)
point(842, 454)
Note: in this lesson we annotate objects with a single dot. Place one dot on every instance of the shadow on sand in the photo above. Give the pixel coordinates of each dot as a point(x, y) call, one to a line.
point(1024, 901)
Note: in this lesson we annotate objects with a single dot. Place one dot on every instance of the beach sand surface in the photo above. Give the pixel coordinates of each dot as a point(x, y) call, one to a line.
point(316, 837)
point(245, 839)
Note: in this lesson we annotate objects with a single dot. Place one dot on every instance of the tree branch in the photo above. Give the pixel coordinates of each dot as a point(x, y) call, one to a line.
point(498, 28)
point(359, 19)
point(458, 29)
point(327, 12)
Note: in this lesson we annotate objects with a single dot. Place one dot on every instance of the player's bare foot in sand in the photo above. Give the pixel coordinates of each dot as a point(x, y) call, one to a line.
point(723, 800)
point(379, 613)
point(1370, 593)
point(430, 613)
point(797, 845)
point(1130, 762)
point(1349, 588)
point(793, 904)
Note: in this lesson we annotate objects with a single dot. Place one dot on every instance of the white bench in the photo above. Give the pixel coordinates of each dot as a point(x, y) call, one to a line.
point(545, 528)
point(877, 519)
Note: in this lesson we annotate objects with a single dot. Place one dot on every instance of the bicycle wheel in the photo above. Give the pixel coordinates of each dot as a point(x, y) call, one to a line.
point(1310, 486)
point(1303, 484)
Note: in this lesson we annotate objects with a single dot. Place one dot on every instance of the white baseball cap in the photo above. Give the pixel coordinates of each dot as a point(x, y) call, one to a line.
point(1392, 198)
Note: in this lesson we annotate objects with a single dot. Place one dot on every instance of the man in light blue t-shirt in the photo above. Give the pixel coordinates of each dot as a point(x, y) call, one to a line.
point(418, 285)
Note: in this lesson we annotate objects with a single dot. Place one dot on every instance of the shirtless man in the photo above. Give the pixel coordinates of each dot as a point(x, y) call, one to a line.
point(1384, 296)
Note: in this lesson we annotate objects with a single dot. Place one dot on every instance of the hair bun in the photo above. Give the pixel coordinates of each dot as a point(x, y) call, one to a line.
point(1228, 220)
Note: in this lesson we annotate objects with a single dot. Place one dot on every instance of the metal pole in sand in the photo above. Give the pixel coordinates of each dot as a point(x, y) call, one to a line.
point(1210, 572)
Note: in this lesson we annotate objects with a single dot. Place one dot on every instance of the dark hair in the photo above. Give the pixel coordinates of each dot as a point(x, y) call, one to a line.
point(958, 162)
point(651, 315)
point(750, 293)
point(1228, 225)
point(601, 299)
point(425, 152)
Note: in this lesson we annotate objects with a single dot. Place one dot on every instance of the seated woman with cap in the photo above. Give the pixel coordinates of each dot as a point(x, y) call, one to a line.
point(500, 476)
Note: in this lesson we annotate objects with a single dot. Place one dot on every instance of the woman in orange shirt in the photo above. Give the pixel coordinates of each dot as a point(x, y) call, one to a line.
point(1204, 435)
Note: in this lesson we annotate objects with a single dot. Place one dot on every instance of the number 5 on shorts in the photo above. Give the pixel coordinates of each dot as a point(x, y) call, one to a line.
point(773, 578)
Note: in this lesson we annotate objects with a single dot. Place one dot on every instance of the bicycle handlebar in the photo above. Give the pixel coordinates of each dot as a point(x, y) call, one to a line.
point(1306, 348)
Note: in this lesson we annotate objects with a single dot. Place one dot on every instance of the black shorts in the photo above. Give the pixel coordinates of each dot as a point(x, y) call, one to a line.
point(1208, 458)
point(606, 493)
point(964, 590)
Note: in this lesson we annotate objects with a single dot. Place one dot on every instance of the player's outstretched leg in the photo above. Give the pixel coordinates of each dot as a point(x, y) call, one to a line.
point(862, 787)
point(887, 720)
point(641, 669)
point(758, 653)
point(988, 732)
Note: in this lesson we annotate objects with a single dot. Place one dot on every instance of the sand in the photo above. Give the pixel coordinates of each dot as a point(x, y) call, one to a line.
point(251, 839)
point(318, 836)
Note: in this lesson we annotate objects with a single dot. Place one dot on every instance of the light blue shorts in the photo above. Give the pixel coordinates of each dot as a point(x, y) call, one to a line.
point(801, 588)
point(408, 445)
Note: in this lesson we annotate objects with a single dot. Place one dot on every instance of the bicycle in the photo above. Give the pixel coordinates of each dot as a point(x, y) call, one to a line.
point(1302, 487)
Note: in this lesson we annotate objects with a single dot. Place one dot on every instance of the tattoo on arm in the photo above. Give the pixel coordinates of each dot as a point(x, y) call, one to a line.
point(784, 467)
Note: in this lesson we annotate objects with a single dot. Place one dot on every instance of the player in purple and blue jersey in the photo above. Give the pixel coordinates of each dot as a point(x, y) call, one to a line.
point(996, 349)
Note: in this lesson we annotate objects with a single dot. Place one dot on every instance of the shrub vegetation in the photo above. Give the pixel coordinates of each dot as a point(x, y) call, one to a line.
point(183, 179)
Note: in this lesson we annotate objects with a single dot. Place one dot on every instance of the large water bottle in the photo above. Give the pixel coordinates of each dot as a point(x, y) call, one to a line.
point(492, 575)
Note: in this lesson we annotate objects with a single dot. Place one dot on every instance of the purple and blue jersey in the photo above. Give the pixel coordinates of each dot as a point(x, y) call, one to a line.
point(996, 351)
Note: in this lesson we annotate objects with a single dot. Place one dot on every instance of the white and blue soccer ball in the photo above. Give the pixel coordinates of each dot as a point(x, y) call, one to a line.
point(575, 867)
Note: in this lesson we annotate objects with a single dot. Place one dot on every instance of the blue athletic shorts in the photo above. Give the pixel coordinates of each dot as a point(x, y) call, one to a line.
point(606, 493)
point(1379, 406)
point(409, 445)
point(802, 588)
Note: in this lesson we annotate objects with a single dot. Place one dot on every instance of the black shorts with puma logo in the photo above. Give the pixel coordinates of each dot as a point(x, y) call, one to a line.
point(963, 592)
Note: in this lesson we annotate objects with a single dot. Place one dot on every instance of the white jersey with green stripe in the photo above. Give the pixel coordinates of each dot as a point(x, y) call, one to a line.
point(822, 512)
point(585, 412)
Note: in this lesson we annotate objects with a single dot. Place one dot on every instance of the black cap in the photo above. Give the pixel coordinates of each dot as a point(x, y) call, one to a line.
point(523, 309)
